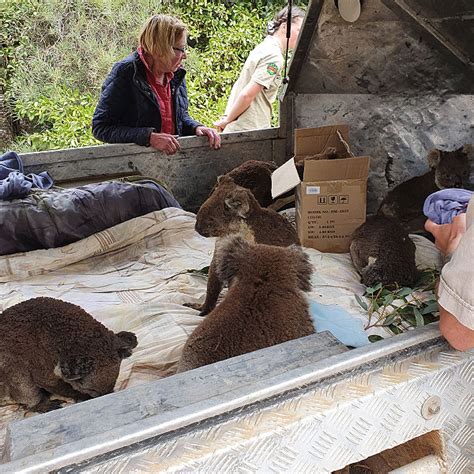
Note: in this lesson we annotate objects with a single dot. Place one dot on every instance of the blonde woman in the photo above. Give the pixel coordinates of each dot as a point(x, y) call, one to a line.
point(144, 98)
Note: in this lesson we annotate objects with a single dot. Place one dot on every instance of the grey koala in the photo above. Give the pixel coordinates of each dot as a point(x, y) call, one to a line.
point(382, 252)
point(49, 346)
point(449, 169)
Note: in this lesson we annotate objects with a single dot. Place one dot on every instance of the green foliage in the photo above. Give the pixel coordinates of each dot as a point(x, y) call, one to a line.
point(63, 119)
point(403, 308)
point(58, 52)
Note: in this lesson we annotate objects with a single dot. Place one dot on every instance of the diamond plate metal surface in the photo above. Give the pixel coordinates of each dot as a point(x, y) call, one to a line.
point(327, 428)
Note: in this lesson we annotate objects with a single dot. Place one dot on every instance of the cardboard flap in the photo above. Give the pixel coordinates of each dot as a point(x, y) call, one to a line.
point(311, 141)
point(333, 170)
point(284, 178)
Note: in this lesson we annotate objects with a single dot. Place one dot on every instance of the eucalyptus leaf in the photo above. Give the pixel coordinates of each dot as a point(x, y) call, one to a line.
point(418, 317)
point(375, 338)
point(431, 307)
point(405, 291)
point(361, 302)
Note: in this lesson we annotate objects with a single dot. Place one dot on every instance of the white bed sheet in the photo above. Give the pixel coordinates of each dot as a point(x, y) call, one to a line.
point(133, 277)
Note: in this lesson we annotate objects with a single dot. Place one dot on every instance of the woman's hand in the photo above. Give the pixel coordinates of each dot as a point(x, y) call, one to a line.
point(221, 124)
point(213, 136)
point(165, 142)
point(447, 236)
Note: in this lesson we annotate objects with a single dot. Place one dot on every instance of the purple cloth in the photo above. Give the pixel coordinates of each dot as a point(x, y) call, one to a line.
point(442, 206)
point(14, 184)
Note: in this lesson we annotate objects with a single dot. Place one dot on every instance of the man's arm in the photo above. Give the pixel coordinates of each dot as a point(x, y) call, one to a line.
point(447, 238)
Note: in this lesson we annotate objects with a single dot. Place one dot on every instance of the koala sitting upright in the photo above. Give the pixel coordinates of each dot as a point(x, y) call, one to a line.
point(49, 346)
point(449, 169)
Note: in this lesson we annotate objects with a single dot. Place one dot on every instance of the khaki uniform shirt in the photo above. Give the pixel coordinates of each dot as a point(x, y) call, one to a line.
point(456, 286)
point(263, 66)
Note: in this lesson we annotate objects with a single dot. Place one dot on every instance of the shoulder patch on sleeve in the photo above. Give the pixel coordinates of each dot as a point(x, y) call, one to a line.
point(272, 69)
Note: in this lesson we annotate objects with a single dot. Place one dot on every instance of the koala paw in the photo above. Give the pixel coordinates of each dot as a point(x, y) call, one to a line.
point(196, 306)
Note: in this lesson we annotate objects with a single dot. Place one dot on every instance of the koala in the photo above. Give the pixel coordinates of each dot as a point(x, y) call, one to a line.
point(265, 304)
point(51, 347)
point(382, 252)
point(330, 153)
point(449, 169)
point(232, 209)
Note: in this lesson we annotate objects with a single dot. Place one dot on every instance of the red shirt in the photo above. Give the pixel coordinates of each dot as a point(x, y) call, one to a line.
point(163, 96)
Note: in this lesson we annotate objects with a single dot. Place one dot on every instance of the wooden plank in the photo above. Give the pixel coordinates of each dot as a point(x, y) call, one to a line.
point(190, 174)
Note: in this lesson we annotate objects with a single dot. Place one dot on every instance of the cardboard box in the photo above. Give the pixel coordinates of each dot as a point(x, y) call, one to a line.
point(332, 198)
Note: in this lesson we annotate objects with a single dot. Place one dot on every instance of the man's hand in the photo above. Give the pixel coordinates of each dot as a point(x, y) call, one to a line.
point(213, 136)
point(447, 236)
point(165, 142)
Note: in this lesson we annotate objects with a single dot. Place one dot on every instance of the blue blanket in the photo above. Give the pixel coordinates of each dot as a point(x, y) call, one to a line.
point(14, 184)
point(342, 325)
point(442, 206)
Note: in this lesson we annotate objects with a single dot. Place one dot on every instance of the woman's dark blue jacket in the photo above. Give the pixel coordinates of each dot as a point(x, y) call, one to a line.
point(127, 111)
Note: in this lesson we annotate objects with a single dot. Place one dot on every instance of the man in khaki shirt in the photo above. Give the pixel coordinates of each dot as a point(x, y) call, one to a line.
point(456, 286)
point(250, 103)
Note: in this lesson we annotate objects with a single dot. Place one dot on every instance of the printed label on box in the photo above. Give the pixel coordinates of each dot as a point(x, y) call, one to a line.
point(313, 189)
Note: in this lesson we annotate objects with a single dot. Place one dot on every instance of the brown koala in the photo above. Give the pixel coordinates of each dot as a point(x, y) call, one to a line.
point(330, 153)
point(383, 253)
point(49, 346)
point(449, 169)
point(265, 304)
point(256, 176)
point(232, 209)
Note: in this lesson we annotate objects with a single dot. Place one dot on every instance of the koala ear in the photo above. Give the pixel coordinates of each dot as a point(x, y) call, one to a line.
point(468, 150)
point(238, 203)
point(223, 178)
point(75, 368)
point(229, 253)
point(434, 157)
point(126, 341)
point(302, 267)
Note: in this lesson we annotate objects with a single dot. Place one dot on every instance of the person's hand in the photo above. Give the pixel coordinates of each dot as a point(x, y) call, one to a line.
point(221, 124)
point(213, 136)
point(165, 142)
point(447, 236)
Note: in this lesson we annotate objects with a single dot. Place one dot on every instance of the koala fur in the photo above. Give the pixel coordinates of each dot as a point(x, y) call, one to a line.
point(256, 176)
point(265, 304)
point(330, 153)
point(232, 209)
point(382, 252)
point(449, 169)
point(49, 346)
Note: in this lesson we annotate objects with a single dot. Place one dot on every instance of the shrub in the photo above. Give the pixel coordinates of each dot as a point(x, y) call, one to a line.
point(59, 52)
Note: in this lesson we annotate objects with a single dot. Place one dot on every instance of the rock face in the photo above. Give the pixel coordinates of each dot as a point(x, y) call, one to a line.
point(401, 92)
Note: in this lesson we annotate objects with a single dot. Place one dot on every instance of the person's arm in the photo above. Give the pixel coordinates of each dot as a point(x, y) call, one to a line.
point(241, 104)
point(458, 335)
point(111, 109)
point(447, 238)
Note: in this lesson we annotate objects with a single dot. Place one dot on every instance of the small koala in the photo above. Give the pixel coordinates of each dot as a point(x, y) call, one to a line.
point(49, 346)
point(265, 304)
point(449, 169)
point(382, 252)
